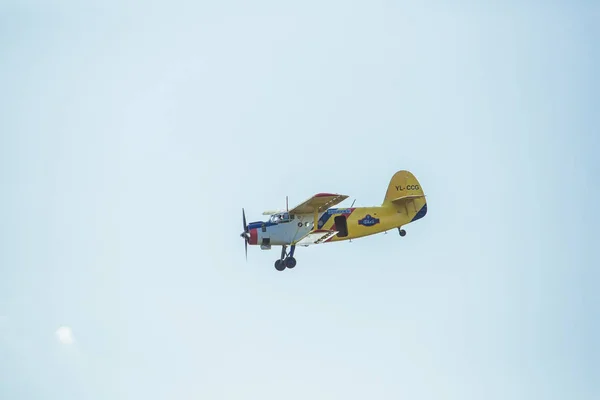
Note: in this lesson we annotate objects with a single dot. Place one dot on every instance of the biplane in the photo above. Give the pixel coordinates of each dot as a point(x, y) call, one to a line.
point(316, 221)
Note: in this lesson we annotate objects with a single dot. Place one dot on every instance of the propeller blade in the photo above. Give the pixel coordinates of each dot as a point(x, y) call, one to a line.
point(245, 234)
point(244, 220)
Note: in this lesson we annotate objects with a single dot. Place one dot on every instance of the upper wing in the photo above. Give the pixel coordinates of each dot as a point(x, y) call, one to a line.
point(319, 202)
point(271, 212)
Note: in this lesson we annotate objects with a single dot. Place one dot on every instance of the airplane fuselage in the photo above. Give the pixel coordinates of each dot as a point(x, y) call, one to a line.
point(342, 223)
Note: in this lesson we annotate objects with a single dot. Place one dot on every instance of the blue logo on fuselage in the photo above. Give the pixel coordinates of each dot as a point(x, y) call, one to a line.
point(339, 211)
point(368, 221)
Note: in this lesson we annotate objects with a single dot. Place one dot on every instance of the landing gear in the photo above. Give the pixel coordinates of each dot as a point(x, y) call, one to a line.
point(286, 260)
point(402, 232)
point(279, 265)
point(290, 262)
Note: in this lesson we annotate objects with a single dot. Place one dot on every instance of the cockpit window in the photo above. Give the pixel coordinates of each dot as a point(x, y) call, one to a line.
point(279, 218)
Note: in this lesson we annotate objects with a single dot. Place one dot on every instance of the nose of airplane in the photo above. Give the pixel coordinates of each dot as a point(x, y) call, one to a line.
point(253, 239)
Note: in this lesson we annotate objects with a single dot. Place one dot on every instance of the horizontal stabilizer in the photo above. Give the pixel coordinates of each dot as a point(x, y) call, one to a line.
point(409, 197)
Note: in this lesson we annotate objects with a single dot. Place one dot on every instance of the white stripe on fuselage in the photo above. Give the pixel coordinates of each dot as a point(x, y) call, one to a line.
point(287, 232)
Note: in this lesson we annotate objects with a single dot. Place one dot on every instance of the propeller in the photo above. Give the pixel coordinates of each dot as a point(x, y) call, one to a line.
point(245, 234)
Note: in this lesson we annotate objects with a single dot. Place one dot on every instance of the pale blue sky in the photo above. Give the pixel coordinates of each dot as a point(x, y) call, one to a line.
point(131, 136)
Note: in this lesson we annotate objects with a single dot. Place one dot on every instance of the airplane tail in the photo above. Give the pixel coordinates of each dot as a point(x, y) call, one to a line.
point(406, 194)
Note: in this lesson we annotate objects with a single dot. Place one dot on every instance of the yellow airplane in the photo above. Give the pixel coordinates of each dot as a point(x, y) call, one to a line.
point(315, 222)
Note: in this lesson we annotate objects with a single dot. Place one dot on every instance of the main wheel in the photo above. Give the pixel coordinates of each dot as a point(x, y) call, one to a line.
point(402, 232)
point(290, 262)
point(279, 265)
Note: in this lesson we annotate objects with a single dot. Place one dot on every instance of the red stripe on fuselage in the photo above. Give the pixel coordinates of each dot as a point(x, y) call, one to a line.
point(326, 195)
point(253, 236)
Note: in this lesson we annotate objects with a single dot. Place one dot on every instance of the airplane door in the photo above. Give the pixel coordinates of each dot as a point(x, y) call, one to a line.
point(341, 225)
point(264, 237)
